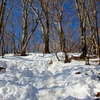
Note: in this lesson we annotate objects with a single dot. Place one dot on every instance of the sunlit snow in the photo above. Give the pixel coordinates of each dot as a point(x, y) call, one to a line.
point(33, 78)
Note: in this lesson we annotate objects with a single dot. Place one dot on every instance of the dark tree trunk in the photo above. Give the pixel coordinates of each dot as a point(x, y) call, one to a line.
point(2, 12)
point(2, 42)
point(46, 44)
point(62, 42)
point(46, 36)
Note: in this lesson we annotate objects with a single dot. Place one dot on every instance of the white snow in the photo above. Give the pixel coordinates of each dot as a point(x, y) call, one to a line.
point(33, 78)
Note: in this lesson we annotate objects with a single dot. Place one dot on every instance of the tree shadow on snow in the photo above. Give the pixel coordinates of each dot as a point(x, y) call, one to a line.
point(73, 98)
point(70, 98)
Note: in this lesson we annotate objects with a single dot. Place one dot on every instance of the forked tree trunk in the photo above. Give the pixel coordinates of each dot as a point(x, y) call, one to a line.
point(46, 36)
point(62, 41)
point(80, 7)
point(25, 27)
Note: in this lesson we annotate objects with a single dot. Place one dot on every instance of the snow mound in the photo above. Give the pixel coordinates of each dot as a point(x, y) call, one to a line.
point(17, 92)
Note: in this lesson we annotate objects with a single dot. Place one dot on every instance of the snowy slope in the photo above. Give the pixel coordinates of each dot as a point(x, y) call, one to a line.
point(33, 78)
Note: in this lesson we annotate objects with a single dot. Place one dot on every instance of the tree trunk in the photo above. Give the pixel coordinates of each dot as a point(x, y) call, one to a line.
point(25, 27)
point(80, 6)
point(61, 37)
point(23, 49)
point(2, 41)
point(97, 31)
point(46, 36)
point(2, 12)
point(84, 47)
point(62, 41)
point(46, 44)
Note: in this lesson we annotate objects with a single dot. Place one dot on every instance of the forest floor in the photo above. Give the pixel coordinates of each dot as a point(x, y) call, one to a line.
point(33, 77)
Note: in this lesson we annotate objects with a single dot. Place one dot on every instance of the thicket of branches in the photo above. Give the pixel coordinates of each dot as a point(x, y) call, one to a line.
point(49, 26)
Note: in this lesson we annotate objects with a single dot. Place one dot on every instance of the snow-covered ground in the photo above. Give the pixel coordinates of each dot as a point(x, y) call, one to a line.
point(33, 78)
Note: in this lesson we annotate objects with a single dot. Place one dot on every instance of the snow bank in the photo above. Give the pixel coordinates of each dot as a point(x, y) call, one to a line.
point(33, 78)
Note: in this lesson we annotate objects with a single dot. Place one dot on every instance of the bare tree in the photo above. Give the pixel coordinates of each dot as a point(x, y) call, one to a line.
point(58, 19)
point(3, 22)
point(26, 37)
point(46, 10)
point(80, 7)
point(91, 18)
point(42, 14)
point(97, 30)
point(25, 11)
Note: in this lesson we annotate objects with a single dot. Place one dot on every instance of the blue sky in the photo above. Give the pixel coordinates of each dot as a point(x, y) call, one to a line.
point(16, 15)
